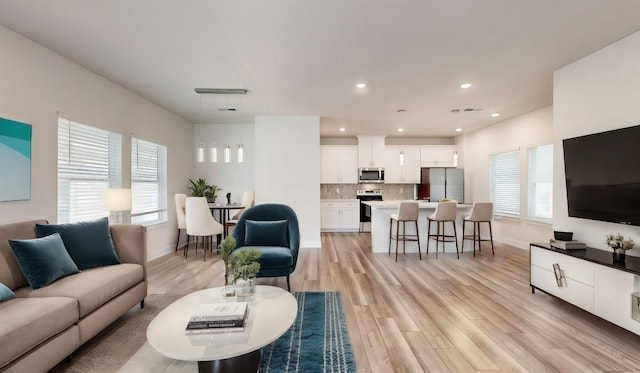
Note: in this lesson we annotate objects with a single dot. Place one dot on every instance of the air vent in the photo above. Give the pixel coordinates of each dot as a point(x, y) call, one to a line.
point(456, 111)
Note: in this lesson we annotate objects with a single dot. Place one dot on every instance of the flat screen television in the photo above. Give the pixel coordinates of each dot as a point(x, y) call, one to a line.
point(602, 174)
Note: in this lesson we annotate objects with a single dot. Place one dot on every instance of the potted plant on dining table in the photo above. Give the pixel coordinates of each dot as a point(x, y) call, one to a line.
point(200, 188)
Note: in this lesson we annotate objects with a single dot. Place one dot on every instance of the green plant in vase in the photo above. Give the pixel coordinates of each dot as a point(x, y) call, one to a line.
point(200, 188)
point(226, 248)
point(244, 264)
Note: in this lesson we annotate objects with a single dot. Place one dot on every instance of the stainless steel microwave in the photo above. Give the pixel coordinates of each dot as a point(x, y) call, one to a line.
point(370, 175)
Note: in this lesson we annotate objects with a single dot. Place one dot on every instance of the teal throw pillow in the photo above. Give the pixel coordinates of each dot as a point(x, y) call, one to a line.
point(43, 260)
point(5, 293)
point(88, 242)
point(266, 233)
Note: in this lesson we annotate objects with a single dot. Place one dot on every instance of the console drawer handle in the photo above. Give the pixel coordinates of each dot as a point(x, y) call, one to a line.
point(559, 274)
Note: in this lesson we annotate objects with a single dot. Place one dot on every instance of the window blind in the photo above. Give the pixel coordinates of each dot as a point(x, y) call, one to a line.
point(504, 183)
point(148, 182)
point(540, 183)
point(89, 161)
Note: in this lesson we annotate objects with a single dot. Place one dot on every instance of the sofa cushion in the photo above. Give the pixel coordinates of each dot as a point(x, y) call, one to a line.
point(43, 260)
point(88, 242)
point(272, 256)
point(26, 323)
point(266, 233)
point(93, 287)
point(5, 293)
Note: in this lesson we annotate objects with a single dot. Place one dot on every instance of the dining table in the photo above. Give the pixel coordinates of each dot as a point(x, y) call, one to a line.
point(223, 209)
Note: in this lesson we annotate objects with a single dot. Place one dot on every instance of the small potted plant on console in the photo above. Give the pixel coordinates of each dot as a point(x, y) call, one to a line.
point(619, 246)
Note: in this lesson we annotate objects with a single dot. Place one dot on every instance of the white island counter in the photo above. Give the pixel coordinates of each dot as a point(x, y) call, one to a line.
point(381, 212)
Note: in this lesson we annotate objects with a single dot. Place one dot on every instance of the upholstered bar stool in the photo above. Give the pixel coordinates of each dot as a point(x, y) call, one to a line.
point(482, 212)
point(407, 211)
point(446, 212)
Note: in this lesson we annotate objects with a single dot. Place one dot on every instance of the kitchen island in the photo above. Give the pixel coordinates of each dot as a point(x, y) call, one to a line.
point(381, 212)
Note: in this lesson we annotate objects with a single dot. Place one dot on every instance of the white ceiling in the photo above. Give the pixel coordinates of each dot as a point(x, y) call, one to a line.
point(304, 57)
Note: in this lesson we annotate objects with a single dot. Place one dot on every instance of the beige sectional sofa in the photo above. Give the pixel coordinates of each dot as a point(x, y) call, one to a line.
point(41, 327)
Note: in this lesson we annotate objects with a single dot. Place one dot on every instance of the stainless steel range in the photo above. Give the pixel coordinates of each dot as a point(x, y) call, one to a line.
point(365, 211)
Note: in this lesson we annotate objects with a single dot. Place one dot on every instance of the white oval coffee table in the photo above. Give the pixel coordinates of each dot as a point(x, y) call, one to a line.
point(272, 311)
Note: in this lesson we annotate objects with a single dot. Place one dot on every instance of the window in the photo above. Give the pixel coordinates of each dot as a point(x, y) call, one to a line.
point(504, 183)
point(89, 161)
point(540, 185)
point(148, 182)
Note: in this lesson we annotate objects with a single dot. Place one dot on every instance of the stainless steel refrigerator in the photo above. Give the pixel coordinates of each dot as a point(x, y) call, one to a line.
point(443, 182)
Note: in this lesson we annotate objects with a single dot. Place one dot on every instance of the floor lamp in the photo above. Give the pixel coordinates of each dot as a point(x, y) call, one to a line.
point(116, 200)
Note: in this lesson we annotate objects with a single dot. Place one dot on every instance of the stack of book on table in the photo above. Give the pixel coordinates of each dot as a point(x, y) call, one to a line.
point(221, 317)
point(567, 245)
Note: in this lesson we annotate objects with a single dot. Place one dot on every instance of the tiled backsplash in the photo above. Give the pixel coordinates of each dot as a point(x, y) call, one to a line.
point(390, 192)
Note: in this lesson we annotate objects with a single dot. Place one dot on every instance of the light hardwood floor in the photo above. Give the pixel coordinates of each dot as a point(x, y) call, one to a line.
point(436, 315)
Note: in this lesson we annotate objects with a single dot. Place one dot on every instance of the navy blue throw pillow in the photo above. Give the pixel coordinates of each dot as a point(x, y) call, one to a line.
point(266, 233)
point(88, 242)
point(43, 260)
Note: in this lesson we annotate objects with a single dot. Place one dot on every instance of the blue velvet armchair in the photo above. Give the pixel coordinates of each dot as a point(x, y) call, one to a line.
point(272, 229)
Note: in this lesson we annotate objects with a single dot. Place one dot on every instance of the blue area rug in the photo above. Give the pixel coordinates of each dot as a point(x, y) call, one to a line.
point(318, 341)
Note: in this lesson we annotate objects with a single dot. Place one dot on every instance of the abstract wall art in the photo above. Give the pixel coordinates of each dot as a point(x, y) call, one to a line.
point(15, 160)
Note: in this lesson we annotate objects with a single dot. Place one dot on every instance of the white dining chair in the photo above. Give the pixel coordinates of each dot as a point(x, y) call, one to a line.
point(407, 211)
point(481, 212)
point(248, 200)
point(200, 223)
point(446, 212)
point(180, 200)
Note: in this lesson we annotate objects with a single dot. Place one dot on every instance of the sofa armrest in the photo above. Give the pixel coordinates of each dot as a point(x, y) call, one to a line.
point(130, 242)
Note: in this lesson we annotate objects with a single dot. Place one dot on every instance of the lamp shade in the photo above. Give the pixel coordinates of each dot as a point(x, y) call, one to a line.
point(116, 199)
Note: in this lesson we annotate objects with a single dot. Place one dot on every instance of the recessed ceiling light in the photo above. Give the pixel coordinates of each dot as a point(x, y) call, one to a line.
point(361, 85)
point(400, 129)
point(465, 85)
point(495, 115)
point(342, 129)
point(458, 129)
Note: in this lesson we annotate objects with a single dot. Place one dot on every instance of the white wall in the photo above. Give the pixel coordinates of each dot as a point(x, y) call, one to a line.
point(594, 94)
point(37, 86)
point(525, 131)
point(287, 169)
point(232, 177)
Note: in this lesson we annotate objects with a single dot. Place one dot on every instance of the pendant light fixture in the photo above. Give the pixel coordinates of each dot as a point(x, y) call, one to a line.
point(227, 154)
point(200, 153)
point(240, 153)
point(213, 153)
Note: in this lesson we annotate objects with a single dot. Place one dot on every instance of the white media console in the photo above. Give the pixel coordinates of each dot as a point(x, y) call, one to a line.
point(589, 279)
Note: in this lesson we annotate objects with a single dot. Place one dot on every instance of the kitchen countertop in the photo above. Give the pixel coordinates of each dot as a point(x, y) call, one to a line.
point(339, 200)
point(421, 204)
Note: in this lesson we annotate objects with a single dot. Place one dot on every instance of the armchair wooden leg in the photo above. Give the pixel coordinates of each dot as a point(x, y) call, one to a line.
point(142, 304)
point(288, 284)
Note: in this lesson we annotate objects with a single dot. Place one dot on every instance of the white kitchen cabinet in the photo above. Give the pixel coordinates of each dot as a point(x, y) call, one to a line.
point(437, 156)
point(371, 151)
point(340, 215)
point(339, 164)
point(409, 172)
point(589, 281)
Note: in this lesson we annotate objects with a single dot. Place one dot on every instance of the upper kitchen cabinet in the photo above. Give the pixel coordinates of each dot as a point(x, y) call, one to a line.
point(339, 164)
point(437, 156)
point(406, 173)
point(370, 151)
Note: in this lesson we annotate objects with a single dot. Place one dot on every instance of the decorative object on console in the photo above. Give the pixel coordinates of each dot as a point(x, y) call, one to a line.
point(619, 246)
